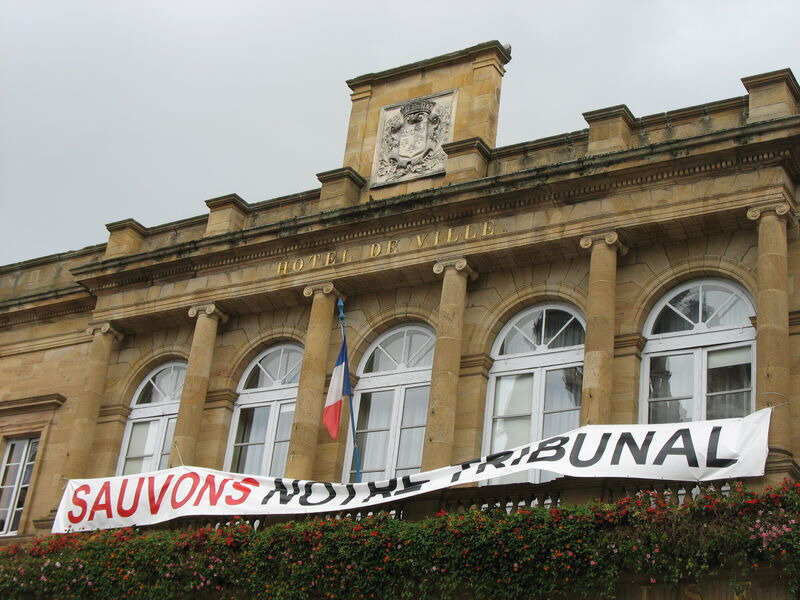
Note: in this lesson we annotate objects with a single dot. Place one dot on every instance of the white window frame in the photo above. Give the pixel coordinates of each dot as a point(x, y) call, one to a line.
point(162, 412)
point(538, 363)
point(276, 397)
point(400, 381)
point(18, 484)
point(698, 342)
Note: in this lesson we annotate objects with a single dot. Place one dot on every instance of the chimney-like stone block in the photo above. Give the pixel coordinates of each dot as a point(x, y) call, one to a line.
point(772, 95)
point(466, 159)
point(340, 188)
point(609, 129)
point(124, 238)
point(226, 214)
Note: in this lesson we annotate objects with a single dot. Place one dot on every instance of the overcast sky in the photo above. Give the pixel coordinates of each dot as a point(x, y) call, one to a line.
point(144, 109)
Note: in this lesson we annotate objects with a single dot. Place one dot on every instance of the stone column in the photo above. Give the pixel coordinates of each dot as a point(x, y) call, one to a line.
point(87, 406)
point(195, 387)
point(598, 355)
point(311, 387)
point(443, 400)
point(772, 325)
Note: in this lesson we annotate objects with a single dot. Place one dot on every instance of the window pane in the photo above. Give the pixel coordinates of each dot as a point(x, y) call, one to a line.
point(563, 388)
point(165, 382)
point(34, 448)
point(372, 447)
point(417, 340)
point(393, 346)
point(728, 406)
point(670, 411)
point(146, 396)
point(688, 303)
point(424, 358)
point(736, 313)
point(671, 377)
point(508, 433)
point(285, 418)
point(133, 466)
point(293, 360)
point(271, 363)
point(669, 321)
point(279, 453)
point(252, 425)
point(554, 322)
point(513, 394)
point(415, 409)
point(247, 459)
point(10, 475)
point(375, 410)
point(166, 447)
point(560, 422)
point(729, 369)
point(5, 498)
point(256, 379)
point(516, 343)
point(142, 441)
point(409, 453)
point(379, 361)
point(573, 335)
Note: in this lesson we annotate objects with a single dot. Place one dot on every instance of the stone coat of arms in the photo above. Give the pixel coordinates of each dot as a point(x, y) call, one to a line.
point(410, 139)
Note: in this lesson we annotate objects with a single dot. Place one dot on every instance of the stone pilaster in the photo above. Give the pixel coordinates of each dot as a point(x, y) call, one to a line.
point(599, 345)
point(311, 387)
point(438, 449)
point(772, 327)
point(195, 387)
point(87, 406)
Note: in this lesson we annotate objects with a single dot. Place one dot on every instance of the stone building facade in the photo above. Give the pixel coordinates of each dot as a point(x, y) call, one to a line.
point(641, 269)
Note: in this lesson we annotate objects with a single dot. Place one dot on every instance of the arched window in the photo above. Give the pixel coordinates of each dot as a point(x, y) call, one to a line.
point(391, 404)
point(697, 362)
point(151, 423)
point(535, 382)
point(263, 414)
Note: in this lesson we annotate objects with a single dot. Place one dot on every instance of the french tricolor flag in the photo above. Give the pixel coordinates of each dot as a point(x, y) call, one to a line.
point(337, 392)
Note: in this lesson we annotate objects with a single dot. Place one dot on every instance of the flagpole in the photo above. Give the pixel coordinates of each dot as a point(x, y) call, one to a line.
point(356, 457)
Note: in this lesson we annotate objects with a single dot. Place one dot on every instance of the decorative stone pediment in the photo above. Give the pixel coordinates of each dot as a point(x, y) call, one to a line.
point(410, 138)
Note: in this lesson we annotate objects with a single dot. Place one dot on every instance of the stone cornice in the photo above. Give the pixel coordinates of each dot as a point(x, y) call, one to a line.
point(503, 52)
point(780, 76)
point(610, 112)
point(131, 224)
point(476, 364)
point(229, 200)
point(562, 186)
point(347, 173)
point(629, 344)
point(45, 305)
point(221, 398)
point(18, 406)
point(473, 144)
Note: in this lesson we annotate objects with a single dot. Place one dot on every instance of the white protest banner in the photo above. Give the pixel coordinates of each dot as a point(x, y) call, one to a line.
point(699, 451)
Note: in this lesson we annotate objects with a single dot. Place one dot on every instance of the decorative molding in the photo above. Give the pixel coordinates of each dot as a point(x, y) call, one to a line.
point(325, 287)
point(629, 344)
point(784, 76)
point(102, 328)
point(221, 398)
point(608, 113)
point(34, 345)
point(460, 265)
point(610, 238)
point(476, 364)
point(210, 310)
point(781, 209)
point(18, 406)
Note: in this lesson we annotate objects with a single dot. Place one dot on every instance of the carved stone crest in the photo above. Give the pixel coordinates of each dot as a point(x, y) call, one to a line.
point(410, 138)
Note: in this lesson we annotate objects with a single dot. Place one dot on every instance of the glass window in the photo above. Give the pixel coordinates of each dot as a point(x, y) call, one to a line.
point(698, 359)
point(391, 404)
point(15, 478)
point(264, 411)
point(535, 381)
point(151, 424)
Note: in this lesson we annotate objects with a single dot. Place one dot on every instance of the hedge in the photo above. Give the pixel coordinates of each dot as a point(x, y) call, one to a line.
point(568, 551)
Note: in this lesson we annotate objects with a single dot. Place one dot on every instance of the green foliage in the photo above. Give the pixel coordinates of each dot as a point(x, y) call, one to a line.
point(580, 552)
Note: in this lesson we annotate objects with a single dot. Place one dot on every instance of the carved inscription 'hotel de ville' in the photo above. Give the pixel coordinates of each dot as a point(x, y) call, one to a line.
point(410, 139)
